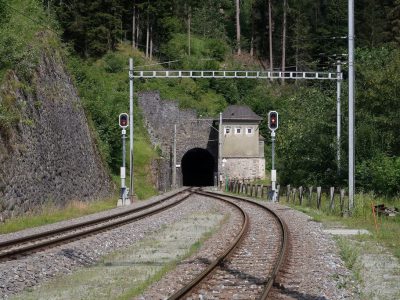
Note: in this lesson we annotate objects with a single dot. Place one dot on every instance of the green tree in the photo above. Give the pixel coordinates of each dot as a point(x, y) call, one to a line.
point(94, 27)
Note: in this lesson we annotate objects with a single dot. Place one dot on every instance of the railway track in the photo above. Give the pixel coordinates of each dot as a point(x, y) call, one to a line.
point(21, 246)
point(245, 270)
point(248, 267)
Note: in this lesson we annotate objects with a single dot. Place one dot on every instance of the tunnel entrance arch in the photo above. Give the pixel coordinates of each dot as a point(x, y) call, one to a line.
point(198, 168)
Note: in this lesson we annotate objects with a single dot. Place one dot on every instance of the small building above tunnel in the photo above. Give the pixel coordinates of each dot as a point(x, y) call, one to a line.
point(242, 152)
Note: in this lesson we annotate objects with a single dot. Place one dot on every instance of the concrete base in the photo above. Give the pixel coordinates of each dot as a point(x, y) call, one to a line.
point(347, 231)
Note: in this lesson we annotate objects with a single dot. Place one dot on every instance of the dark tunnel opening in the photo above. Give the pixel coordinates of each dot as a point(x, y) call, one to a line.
point(198, 168)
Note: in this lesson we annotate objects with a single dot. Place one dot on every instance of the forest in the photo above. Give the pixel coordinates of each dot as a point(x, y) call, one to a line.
point(301, 35)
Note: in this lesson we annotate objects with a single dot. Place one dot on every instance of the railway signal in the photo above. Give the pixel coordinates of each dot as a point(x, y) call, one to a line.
point(273, 125)
point(123, 120)
point(273, 120)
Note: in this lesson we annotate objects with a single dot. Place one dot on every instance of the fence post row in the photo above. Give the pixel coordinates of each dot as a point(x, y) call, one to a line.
point(261, 191)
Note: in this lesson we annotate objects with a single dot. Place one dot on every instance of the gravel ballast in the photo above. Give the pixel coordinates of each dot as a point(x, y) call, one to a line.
point(314, 269)
point(29, 272)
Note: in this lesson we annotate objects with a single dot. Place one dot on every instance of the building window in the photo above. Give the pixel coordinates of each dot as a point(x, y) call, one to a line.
point(238, 130)
point(249, 130)
point(227, 130)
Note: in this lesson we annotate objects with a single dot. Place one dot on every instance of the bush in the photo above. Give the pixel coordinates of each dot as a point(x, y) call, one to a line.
point(113, 63)
point(380, 174)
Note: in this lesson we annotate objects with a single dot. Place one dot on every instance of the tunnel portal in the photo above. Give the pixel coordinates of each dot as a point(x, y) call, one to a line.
point(198, 168)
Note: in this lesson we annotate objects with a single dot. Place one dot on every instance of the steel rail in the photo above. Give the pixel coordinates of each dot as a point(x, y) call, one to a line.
point(56, 240)
point(283, 246)
point(219, 260)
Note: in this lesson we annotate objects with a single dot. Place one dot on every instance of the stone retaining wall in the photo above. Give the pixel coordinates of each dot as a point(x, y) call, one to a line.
point(49, 155)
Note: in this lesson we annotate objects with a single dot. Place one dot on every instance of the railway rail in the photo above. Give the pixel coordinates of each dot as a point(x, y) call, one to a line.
point(13, 248)
point(248, 267)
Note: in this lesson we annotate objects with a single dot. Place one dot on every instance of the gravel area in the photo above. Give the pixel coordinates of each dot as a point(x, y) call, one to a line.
point(27, 273)
point(313, 269)
point(380, 272)
point(377, 269)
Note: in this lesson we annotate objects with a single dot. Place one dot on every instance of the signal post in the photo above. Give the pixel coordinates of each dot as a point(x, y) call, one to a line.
point(123, 123)
point(273, 125)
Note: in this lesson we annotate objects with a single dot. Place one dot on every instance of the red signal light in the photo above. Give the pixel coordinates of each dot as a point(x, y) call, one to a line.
point(123, 120)
point(273, 120)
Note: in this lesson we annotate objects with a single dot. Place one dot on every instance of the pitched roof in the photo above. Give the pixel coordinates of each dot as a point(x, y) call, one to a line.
point(240, 113)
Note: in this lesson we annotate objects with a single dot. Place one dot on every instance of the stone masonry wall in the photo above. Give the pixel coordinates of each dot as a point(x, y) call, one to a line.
point(160, 117)
point(244, 168)
point(49, 155)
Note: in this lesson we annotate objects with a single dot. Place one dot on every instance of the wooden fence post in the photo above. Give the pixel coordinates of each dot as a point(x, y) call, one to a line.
point(318, 197)
point(278, 187)
point(294, 191)
point(301, 195)
point(262, 191)
point(332, 198)
point(310, 190)
point(342, 194)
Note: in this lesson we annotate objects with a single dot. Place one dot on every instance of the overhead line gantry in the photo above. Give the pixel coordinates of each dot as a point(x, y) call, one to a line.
point(236, 74)
point(230, 74)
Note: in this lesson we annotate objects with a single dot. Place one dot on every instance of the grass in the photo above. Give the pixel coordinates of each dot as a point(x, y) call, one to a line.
point(51, 214)
point(385, 230)
point(350, 256)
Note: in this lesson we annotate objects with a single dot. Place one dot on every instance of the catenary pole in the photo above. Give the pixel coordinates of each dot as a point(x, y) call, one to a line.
point(131, 186)
point(351, 105)
point(338, 114)
point(219, 175)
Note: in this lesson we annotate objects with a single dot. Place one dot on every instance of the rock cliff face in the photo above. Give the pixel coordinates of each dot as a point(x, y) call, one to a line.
point(48, 155)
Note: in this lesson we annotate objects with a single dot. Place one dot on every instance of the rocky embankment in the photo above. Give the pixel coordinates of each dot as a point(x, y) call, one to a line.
point(48, 154)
